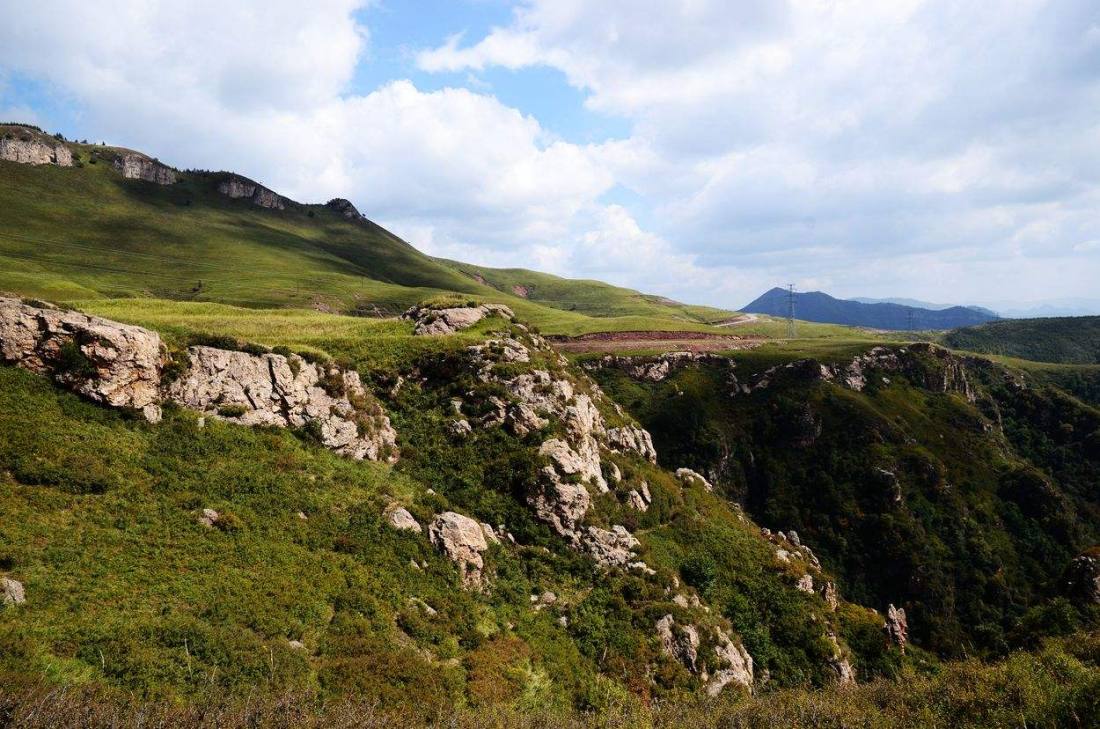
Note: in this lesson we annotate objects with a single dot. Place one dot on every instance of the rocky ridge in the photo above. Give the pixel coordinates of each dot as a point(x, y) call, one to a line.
point(27, 146)
point(136, 166)
point(237, 187)
point(124, 366)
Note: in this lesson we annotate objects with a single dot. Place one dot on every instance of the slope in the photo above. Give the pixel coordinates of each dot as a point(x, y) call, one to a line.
point(1063, 340)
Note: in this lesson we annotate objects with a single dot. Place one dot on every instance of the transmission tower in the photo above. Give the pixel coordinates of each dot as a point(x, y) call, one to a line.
point(790, 311)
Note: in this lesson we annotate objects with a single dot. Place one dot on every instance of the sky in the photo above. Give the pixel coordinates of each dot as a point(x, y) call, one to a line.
point(705, 150)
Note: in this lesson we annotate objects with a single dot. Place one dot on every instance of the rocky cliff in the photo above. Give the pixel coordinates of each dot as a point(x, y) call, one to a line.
point(136, 166)
point(238, 187)
point(31, 147)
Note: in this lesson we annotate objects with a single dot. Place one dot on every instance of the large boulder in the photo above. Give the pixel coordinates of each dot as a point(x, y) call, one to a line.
point(11, 592)
point(270, 389)
point(111, 363)
point(430, 321)
point(136, 166)
point(462, 540)
point(400, 519)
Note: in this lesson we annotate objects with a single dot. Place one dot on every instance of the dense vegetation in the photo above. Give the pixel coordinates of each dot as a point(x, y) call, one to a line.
point(1066, 340)
point(965, 514)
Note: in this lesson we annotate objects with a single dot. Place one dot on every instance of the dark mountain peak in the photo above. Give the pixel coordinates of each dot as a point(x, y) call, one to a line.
point(817, 306)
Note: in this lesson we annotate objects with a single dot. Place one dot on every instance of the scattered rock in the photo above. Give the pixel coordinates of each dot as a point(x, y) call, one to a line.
point(400, 519)
point(208, 518)
point(805, 584)
point(632, 438)
point(829, 595)
point(11, 592)
point(845, 674)
point(296, 645)
point(344, 208)
point(611, 548)
point(896, 626)
point(460, 428)
point(462, 540)
point(423, 606)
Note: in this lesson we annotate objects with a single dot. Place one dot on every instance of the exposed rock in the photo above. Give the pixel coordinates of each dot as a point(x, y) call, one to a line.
point(635, 500)
point(11, 592)
point(296, 645)
point(653, 369)
point(522, 419)
point(431, 321)
point(680, 642)
point(1082, 578)
point(208, 518)
point(829, 595)
point(344, 208)
point(583, 463)
point(107, 362)
point(136, 166)
point(738, 665)
point(559, 504)
point(462, 540)
point(460, 428)
point(545, 600)
point(632, 438)
point(400, 519)
point(611, 548)
point(238, 187)
point(792, 537)
point(490, 533)
point(845, 674)
point(30, 147)
point(805, 584)
point(896, 626)
point(270, 389)
point(688, 477)
point(423, 606)
point(614, 475)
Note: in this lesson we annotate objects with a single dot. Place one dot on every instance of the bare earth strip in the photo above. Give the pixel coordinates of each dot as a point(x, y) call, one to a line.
point(664, 341)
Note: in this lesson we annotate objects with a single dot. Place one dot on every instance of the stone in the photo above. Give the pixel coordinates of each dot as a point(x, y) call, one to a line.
point(208, 518)
point(738, 665)
point(11, 592)
point(1082, 577)
point(399, 518)
point(632, 438)
point(829, 595)
point(689, 477)
point(344, 208)
point(560, 505)
point(896, 627)
point(635, 501)
point(845, 674)
point(792, 537)
point(429, 321)
point(490, 533)
point(612, 548)
point(238, 187)
point(107, 362)
point(273, 390)
point(460, 428)
point(584, 463)
point(462, 540)
point(136, 166)
point(805, 584)
point(680, 642)
point(296, 645)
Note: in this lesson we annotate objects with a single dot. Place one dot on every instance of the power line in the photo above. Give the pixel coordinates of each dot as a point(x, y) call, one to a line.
point(790, 311)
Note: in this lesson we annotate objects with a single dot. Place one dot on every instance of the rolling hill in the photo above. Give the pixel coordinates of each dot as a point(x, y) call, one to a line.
point(1062, 340)
point(816, 306)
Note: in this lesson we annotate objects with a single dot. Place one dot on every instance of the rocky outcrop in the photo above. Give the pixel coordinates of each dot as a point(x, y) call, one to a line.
point(136, 166)
point(11, 592)
point(689, 477)
point(1082, 577)
point(737, 665)
point(31, 147)
point(400, 519)
point(654, 369)
point(842, 667)
point(238, 187)
point(270, 389)
point(679, 641)
point(344, 208)
point(896, 627)
point(462, 540)
point(614, 548)
point(632, 438)
point(429, 321)
point(107, 362)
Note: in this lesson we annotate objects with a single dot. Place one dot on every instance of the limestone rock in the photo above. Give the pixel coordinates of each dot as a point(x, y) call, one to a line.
point(431, 321)
point(400, 519)
point(270, 389)
point(238, 187)
point(687, 477)
point(11, 592)
point(136, 166)
point(845, 674)
point(107, 362)
point(896, 626)
point(31, 147)
point(829, 595)
point(462, 540)
point(805, 584)
point(632, 438)
point(560, 505)
point(583, 463)
point(208, 518)
point(612, 548)
point(680, 642)
point(344, 208)
point(1082, 578)
point(738, 665)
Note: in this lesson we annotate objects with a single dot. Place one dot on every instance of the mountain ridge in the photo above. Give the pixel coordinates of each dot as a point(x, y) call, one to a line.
point(817, 306)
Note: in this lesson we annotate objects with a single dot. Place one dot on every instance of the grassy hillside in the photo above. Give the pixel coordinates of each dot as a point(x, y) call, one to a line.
point(963, 513)
point(1065, 340)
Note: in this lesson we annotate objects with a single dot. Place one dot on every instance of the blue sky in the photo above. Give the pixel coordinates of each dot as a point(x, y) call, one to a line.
point(699, 149)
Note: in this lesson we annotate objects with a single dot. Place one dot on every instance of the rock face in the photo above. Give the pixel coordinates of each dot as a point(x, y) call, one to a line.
point(612, 548)
point(344, 208)
point(738, 664)
point(896, 626)
point(682, 643)
point(688, 477)
point(270, 389)
point(431, 321)
point(110, 363)
point(11, 592)
point(136, 166)
point(679, 641)
point(1082, 578)
point(462, 540)
point(30, 147)
point(238, 187)
point(632, 438)
point(402, 520)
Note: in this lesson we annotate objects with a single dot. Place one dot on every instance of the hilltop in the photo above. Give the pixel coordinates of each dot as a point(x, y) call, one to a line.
point(1065, 340)
point(819, 307)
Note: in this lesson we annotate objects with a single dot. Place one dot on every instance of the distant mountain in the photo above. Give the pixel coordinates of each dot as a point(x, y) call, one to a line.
point(918, 304)
point(820, 307)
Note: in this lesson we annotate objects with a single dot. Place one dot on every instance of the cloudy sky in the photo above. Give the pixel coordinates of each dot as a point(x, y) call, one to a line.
point(702, 149)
